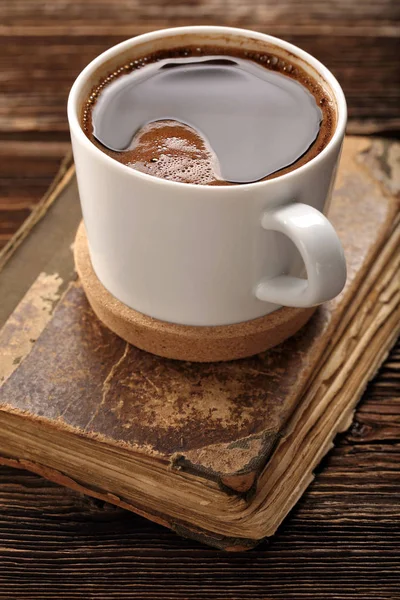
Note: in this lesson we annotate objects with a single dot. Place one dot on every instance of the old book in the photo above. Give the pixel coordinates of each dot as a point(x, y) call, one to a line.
point(219, 452)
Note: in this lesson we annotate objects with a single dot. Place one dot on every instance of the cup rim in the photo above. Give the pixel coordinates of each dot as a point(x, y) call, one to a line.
point(76, 129)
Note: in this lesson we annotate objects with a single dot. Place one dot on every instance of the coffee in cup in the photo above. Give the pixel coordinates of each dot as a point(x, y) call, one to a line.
point(210, 115)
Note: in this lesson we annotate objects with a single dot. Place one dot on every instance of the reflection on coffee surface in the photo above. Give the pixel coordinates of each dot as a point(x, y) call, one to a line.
point(202, 116)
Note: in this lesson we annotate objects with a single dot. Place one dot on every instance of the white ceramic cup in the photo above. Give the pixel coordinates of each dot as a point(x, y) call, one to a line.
point(209, 255)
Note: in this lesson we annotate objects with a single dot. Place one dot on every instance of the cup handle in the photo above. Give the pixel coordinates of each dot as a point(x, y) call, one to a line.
point(322, 253)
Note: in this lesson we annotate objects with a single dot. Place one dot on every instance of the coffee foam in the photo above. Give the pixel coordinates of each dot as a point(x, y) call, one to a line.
point(204, 169)
point(172, 150)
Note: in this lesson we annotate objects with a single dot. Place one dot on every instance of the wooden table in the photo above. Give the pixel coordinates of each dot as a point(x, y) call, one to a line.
point(342, 539)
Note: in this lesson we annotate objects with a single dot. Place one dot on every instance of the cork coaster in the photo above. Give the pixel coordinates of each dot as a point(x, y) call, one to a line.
point(184, 342)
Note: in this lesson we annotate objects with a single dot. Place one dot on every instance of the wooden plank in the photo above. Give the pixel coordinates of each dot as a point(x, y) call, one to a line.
point(27, 169)
point(290, 12)
point(39, 79)
point(44, 46)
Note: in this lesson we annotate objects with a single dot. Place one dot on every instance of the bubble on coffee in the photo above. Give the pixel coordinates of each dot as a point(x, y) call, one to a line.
point(209, 119)
point(172, 150)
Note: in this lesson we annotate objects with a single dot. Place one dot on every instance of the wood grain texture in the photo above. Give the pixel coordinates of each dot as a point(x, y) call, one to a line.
point(44, 45)
point(339, 543)
point(27, 169)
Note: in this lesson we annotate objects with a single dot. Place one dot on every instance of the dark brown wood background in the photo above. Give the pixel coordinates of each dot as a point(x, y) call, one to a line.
point(342, 540)
point(46, 43)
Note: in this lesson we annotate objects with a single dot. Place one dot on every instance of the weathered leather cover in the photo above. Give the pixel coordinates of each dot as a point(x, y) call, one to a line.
point(220, 421)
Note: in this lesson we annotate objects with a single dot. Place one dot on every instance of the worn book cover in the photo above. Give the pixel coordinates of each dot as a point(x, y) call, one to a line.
point(220, 452)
